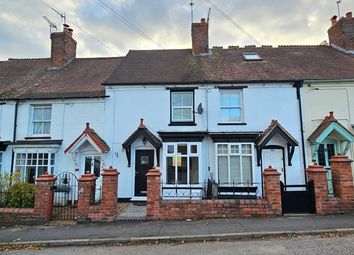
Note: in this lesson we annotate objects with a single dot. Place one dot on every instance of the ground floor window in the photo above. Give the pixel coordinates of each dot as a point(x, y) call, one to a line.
point(182, 163)
point(32, 165)
point(234, 163)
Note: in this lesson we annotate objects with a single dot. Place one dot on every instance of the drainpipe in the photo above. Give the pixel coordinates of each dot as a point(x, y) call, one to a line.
point(298, 85)
point(14, 137)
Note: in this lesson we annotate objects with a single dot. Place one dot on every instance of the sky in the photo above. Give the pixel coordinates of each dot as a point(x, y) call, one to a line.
point(102, 33)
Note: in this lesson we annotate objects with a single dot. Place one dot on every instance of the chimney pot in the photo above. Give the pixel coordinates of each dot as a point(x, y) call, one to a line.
point(349, 15)
point(334, 20)
point(202, 20)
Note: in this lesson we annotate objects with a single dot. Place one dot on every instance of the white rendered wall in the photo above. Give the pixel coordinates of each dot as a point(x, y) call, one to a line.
point(261, 103)
point(67, 123)
point(321, 98)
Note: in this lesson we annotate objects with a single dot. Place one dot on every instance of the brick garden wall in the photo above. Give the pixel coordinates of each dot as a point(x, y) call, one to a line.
point(209, 208)
point(179, 209)
point(343, 200)
point(11, 216)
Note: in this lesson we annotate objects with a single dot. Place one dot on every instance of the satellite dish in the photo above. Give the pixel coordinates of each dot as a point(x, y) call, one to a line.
point(200, 109)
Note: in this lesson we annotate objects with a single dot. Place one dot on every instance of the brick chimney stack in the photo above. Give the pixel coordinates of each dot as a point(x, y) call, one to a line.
point(63, 48)
point(341, 33)
point(200, 38)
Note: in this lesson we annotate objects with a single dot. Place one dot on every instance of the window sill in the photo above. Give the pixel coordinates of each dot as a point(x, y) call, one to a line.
point(37, 137)
point(233, 124)
point(182, 124)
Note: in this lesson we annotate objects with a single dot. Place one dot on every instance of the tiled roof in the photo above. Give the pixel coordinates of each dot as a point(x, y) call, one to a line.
point(271, 130)
point(33, 78)
point(90, 132)
point(284, 63)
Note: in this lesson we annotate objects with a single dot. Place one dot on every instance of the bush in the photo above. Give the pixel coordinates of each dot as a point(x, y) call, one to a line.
point(14, 192)
point(21, 195)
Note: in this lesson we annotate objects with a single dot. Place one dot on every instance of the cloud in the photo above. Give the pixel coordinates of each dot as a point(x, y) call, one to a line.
point(25, 34)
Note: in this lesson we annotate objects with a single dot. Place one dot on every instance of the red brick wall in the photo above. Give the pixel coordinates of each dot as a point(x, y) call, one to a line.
point(11, 216)
point(200, 38)
point(63, 48)
point(218, 208)
point(179, 209)
point(107, 209)
point(342, 33)
point(43, 200)
point(343, 200)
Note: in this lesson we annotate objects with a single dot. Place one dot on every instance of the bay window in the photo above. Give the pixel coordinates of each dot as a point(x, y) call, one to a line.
point(32, 165)
point(234, 163)
point(182, 163)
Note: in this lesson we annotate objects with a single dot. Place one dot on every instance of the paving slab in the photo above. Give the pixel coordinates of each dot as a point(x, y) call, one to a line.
point(211, 229)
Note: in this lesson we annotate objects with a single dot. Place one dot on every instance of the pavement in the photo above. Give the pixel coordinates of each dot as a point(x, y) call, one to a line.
point(67, 234)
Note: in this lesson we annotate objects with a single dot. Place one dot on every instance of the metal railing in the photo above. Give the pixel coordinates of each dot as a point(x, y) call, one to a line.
point(212, 189)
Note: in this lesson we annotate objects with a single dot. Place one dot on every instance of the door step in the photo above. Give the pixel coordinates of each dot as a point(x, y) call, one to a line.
point(298, 214)
point(132, 214)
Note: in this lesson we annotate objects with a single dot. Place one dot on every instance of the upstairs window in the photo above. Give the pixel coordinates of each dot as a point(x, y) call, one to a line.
point(182, 106)
point(41, 119)
point(251, 56)
point(230, 106)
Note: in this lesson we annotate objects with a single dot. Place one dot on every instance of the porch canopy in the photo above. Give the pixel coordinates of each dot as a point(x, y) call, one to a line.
point(331, 128)
point(88, 135)
point(145, 133)
point(276, 129)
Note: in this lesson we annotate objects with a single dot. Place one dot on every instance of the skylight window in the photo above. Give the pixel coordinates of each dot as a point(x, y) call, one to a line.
point(251, 56)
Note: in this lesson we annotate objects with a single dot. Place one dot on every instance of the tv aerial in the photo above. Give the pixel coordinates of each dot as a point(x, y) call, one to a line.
point(52, 25)
point(338, 4)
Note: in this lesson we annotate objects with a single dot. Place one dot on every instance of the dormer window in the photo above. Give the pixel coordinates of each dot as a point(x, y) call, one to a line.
point(251, 56)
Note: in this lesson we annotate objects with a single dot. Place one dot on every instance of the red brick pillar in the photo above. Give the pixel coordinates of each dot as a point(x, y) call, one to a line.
point(43, 201)
point(342, 177)
point(318, 174)
point(87, 186)
point(108, 205)
point(272, 193)
point(153, 194)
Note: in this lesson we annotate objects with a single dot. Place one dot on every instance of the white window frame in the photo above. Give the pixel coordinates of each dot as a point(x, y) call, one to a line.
point(231, 91)
point(188, 155)
point(92, 156)
point(44, 106)
point(235, 154)
point(182, 107)
point(50, 166)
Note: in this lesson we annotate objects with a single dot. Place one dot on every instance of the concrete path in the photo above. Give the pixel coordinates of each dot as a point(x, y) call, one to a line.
point(133, 213)
point(153, 231)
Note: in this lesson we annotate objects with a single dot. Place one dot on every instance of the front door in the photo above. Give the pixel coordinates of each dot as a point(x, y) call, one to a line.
point(275, 158)
point(144, 161)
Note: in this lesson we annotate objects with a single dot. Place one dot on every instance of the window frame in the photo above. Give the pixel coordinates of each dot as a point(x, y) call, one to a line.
point(49, 165)
point(229, 154)
point(182, 122)
point(189, 154)
point(92, 169)
point(32, 121)
point(231, 91)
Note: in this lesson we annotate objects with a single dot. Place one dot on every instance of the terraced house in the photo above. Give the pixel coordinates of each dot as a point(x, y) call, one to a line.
point(210, 118)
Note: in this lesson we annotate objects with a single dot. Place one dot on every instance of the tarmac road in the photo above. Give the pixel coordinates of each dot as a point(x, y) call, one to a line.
point(302, 245)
